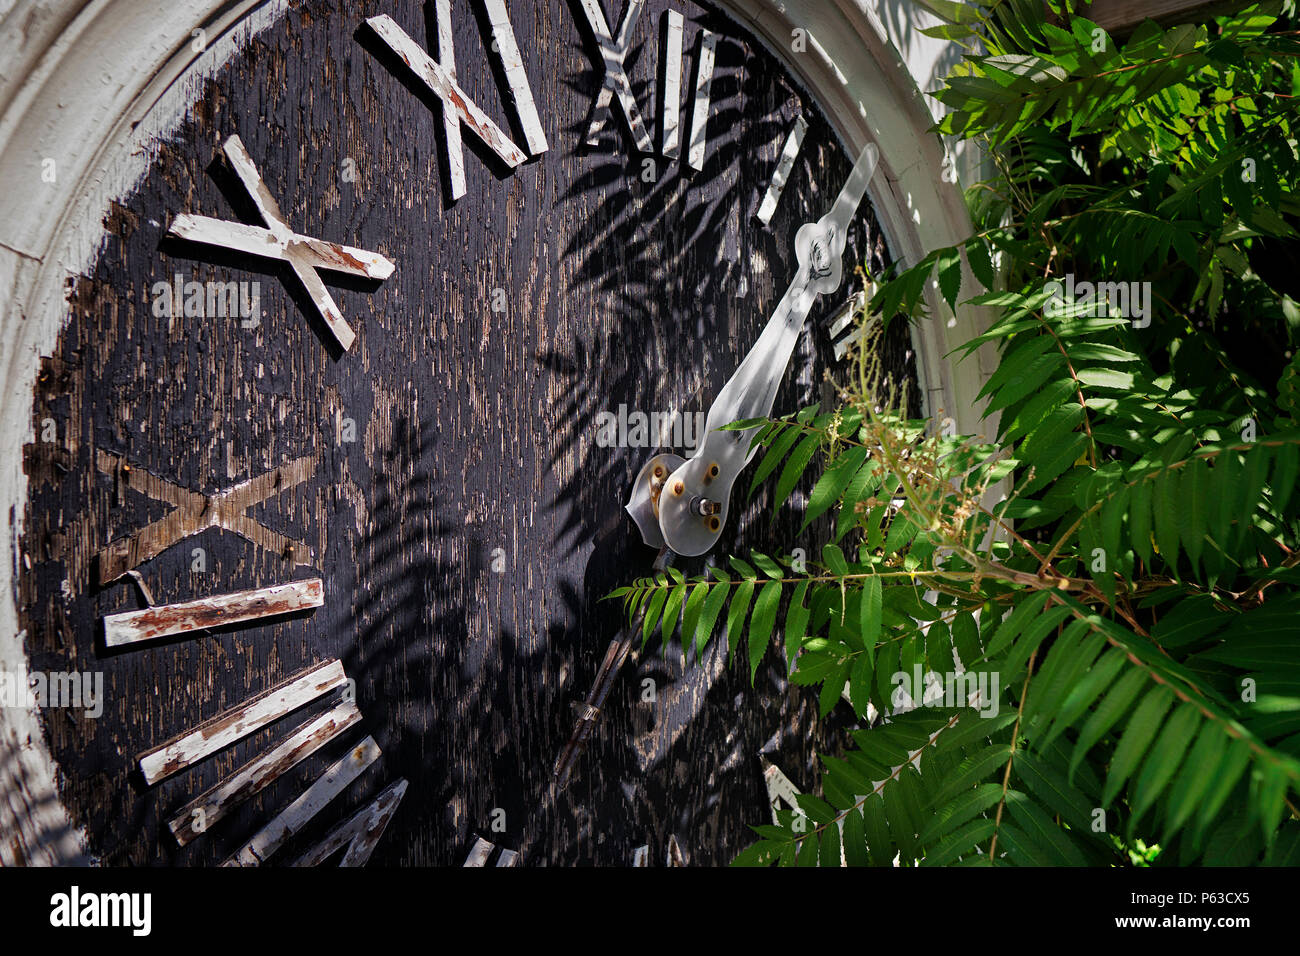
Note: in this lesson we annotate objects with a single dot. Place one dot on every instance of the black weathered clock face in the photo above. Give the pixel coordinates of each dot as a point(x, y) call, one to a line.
point(462, 514)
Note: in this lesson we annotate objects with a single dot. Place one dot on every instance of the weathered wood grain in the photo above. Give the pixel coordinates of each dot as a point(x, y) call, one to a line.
point(229, 726)
point(168, 620)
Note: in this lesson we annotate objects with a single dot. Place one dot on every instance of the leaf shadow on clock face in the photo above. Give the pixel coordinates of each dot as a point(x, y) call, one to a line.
point(414, 578)
point(584, 81)
point(687, 279)
point(662, 259)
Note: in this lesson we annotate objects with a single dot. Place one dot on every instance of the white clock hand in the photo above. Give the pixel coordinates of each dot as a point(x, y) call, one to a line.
point(695, 499)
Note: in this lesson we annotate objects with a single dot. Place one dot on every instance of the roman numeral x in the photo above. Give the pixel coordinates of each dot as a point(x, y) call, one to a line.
point(613, 52)
point(194, 512)
point(277, 241)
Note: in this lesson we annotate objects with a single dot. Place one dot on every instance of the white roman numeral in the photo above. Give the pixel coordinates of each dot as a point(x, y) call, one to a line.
point(359, 833)
point(782, 175)
point(232, 725)
point(458, 109)
point(641, 855)
point(277, 241)
point(670, 103)
point(152, 623)
point(615, 83)
point(703, 85)
point(199, 815)
point(482, 850)
point(779, 789)
point(309, 803)
point(512, 64)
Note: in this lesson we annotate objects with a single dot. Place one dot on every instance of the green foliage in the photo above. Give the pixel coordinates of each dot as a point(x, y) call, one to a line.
point(1109, 589)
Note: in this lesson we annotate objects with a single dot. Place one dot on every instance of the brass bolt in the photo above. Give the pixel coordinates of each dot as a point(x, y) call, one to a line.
point(679, 488)
point(712, 473)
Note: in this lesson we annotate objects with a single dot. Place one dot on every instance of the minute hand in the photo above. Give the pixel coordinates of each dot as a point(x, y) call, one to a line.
point(696, 498)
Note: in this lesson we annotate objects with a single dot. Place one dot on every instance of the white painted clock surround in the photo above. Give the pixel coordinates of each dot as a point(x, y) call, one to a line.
point(93, 83)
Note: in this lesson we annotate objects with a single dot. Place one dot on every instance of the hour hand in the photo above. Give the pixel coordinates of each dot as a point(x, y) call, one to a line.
point(694, 503)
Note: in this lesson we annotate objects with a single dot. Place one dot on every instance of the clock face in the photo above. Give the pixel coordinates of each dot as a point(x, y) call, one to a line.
point(455, 477)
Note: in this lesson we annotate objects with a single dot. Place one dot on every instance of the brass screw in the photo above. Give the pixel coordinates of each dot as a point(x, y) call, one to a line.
point(715, 523)
point(679, 488)
point(659, 471)
point(713, 472)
